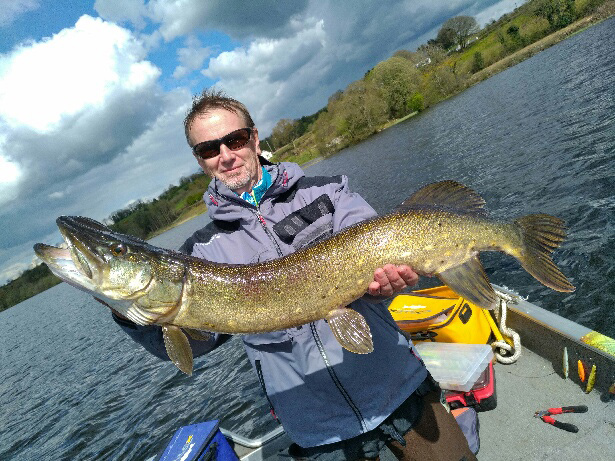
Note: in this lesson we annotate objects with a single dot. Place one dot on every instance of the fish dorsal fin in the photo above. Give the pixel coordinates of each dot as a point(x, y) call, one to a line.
point(351, 330)
point(178, 348)
point(447, 194)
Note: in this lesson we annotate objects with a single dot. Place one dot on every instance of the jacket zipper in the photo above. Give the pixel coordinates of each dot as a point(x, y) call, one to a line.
point(319, 344)
point(261, 220)
point(259, 372)
point(336, 380)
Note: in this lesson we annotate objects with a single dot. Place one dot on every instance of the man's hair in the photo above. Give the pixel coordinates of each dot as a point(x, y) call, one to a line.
point(211, 99)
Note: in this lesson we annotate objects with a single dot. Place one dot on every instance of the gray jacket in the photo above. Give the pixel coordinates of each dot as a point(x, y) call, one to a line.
point(320, 392)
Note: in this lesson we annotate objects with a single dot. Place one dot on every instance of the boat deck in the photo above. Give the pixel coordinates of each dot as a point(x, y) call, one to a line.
point(510, 432)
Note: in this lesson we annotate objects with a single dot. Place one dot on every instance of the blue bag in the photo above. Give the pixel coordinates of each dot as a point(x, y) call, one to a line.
point(198, 442)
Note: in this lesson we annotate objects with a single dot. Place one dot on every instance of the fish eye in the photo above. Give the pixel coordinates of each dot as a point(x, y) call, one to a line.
point(118, 249)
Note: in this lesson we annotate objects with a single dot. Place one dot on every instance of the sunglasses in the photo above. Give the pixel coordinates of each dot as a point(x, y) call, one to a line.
point(235, 140)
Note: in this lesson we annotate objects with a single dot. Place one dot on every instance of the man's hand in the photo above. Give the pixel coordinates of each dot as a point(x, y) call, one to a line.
point(390, 279)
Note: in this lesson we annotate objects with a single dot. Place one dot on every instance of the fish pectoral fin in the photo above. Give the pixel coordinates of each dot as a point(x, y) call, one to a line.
point(351, 330)
point(470, 281)
point(178, 348)
point(198, 335)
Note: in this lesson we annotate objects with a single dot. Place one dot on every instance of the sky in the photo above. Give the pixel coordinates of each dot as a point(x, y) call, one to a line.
point(93, 93)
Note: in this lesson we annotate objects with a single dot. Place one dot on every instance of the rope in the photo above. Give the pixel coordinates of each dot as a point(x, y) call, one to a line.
point(504, 348)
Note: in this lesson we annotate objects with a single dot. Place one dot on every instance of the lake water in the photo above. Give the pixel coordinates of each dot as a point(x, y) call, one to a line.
point(539, 137)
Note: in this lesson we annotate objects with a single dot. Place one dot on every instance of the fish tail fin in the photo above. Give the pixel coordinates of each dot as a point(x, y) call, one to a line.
point(542, 234)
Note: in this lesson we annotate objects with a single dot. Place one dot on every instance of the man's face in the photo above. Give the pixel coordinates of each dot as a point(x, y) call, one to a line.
point(238, 169)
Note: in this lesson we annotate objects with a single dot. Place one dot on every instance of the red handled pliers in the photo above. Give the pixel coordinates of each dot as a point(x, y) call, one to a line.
point(546, 416)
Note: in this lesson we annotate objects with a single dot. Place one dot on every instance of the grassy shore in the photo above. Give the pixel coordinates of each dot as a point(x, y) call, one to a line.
point(186, 215)
point(533, 48)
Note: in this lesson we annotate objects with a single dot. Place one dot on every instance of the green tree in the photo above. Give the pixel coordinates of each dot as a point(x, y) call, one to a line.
point(283, 132)
point(559, 13)
point(462, 27)
point(416, 102)
point(361, 110)
point(397, 79)
point(478, 62)
point(446, 38)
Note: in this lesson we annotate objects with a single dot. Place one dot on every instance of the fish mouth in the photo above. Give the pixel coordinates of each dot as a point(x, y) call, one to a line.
point(80, 264)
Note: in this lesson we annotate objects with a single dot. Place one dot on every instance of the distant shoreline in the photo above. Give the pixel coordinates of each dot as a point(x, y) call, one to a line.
point(534, 48)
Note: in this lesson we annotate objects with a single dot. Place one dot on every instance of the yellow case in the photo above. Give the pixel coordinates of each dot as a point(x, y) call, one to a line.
point(438, 314)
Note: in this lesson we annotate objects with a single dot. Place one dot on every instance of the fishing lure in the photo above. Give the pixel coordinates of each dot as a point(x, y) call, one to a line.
point(591, 380)
point(581, 369)
point(565, 368)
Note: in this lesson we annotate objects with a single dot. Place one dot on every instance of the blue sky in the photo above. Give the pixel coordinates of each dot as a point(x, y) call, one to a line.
point(93, 93)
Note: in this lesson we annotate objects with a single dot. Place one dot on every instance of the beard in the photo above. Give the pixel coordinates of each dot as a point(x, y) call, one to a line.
point(246, 175)
point(237, 181)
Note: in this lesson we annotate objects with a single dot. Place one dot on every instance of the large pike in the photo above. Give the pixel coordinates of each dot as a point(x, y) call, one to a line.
point(439, 230)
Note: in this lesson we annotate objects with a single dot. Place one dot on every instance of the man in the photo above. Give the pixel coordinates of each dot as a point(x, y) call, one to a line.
point(333, 404)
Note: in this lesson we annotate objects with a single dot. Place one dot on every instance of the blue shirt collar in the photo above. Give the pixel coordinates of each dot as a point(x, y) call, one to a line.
point(259, 189)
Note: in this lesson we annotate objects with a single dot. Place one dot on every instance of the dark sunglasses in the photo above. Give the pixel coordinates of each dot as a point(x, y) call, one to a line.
point(235, 140)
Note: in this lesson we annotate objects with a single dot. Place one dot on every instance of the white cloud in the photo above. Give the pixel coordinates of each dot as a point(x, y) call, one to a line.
point(70, 104)
point(12, 9)
point(271, 66)
point(10, 175)
point(9, 171)
point(496, 11)
point(43, 83)
point(238, 19)
point(191, 57)
point(122, 10)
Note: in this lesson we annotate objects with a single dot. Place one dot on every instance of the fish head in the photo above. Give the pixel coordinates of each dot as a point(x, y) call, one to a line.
point(146, 280)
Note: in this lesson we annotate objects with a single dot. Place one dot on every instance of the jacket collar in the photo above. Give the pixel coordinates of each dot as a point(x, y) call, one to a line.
point(224, 204)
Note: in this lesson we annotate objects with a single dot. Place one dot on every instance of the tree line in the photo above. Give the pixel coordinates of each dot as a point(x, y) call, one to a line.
point(144, 218)
point(411, 81)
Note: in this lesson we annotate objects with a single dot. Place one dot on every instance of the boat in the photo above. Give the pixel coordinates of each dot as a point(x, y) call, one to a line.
point(552, 368)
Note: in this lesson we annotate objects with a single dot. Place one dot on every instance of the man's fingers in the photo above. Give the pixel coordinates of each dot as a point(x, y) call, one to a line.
point(374, 289)
point(380, 285)
point(395, 280)
point(410, 277)
point(391, 279)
